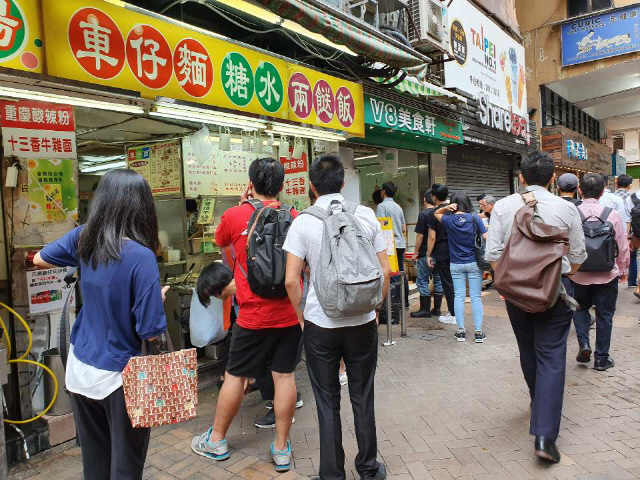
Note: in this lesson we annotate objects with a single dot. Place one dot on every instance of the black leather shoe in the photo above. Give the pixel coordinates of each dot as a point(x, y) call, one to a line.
point(584, 355)
point(546, 450)
point(381, 474)
point(602, 364)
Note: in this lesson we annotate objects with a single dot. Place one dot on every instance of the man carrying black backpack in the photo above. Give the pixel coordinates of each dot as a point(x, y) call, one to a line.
point(267, 337)
point(596, 282)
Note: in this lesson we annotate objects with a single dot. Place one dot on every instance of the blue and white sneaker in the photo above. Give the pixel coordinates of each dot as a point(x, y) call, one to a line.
point(215, 450)
point(282, 458)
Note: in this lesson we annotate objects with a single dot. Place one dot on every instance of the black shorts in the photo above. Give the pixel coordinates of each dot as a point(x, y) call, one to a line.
point(252, 352)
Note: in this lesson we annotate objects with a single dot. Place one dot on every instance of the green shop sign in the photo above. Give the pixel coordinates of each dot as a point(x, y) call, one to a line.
point(386, 115)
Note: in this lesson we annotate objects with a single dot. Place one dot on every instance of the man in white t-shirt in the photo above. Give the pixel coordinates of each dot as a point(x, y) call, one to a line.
point(327, 340)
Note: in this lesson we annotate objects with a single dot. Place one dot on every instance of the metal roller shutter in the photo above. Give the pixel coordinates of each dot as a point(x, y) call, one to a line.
point(476, 179)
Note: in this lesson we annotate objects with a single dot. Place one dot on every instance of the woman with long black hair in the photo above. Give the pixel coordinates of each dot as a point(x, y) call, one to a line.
point(462, 226)
point(120, 282)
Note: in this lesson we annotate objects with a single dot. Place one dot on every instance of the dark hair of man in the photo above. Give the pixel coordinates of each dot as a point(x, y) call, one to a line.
point(377, 196)
point(192, 205)
point(428, 197)
point(537, 169)
point(327, 174)
point(122, 208)
point(624, 180)
point(267, 176)
point(463, 202)
point(570, 190)
point(440, 191)
point(390, 189)
point(592, 186)
point(480, 197)
point(213, 279)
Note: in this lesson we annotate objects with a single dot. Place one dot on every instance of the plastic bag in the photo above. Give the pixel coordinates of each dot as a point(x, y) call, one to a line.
point(206, 325)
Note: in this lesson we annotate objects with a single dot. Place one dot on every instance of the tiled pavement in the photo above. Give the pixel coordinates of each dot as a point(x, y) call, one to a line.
point(444, 410)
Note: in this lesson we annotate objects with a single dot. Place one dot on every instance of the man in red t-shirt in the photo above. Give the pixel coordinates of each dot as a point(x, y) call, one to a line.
point(266, 336)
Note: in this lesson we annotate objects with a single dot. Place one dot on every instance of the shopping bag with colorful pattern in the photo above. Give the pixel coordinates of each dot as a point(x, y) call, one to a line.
point(161, 389)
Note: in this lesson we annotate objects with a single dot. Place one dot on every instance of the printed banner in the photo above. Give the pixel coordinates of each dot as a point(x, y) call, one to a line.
point(207, 207)
point(37, 129)
point(21, 41)
point(386, 223)
point(99, 42)
point(47, 290)
point(52, 190)
point(199, 179)
point(489, 64)
point(159, 164)
point(601, 36)
point(295, 191)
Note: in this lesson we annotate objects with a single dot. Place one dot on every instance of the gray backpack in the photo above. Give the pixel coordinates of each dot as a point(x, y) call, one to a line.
point(348, 280)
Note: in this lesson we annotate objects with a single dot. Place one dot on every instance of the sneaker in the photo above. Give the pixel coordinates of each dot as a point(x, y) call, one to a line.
point(215, 450)
point(343, 378)
point(282, 458)
point(461, 336)
point(269, 420)
point(603, 364)
point(480, 337)
point(447, 319)
point(299, 403)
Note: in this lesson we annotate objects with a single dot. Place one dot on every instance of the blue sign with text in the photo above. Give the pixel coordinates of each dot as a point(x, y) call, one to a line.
point(615, 32)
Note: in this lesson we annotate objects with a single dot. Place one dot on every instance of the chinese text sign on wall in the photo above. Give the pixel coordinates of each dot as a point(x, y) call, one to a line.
point(601, 36)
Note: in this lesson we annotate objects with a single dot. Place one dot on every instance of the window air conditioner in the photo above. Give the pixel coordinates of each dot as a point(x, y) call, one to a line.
point(431, 30)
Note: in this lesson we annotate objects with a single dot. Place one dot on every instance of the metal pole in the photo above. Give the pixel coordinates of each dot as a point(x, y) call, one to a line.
point(389, 341)
point(403, 319)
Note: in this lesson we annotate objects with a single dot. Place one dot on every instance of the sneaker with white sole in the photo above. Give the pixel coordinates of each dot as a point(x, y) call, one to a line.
point(269, 420)
point(215, 450)
point(343, 378)
point(282, 458)
point(299, 403)
point(480, 337)
point(461, 336)
point(447, 319)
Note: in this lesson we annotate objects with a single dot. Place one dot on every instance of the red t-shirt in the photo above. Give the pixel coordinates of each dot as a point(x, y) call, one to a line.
point(255, 312)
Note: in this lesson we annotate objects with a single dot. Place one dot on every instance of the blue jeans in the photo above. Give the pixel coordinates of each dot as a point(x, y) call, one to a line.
point(460, 273)
point(422, 281)
point(633, 269)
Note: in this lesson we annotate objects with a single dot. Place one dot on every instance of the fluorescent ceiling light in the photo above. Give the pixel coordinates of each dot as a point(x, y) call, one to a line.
point(367, 157)
point(99, 159)
point(104, 166)
point(201, 115)
point(69, 100)
point(304, 132)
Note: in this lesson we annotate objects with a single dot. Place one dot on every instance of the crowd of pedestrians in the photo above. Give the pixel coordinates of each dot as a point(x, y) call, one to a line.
point(315, 281)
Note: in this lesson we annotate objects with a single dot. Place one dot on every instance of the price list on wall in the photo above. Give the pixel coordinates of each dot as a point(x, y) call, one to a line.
point(200, 177)
point(159, 164)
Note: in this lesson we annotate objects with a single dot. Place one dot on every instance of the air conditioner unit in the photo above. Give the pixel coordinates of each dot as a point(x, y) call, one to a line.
point(431, 30)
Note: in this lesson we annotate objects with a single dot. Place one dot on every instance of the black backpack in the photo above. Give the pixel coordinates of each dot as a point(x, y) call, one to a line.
point(266, 260)
point(635, 215)
point(600, 240)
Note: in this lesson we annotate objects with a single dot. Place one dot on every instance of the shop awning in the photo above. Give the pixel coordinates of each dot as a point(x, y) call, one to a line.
point(344, 33)
point(425, 89)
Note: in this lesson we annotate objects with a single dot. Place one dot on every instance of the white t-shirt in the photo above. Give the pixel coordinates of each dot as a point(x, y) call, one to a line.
point(304, 240)
point(609, 199)
point(88, 381)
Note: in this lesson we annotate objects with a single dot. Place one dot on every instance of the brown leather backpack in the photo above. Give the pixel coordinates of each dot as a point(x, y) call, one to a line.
point(529, 271)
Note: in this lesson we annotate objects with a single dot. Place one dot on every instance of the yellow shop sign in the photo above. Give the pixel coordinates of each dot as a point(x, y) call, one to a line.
point(99, 42)
point(21, 45)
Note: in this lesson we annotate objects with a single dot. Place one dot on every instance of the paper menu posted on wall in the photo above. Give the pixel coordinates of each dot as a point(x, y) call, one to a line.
point(159, 164)
point(200, 179)
point(233, 171)
point(47, 290)
point(295, 191)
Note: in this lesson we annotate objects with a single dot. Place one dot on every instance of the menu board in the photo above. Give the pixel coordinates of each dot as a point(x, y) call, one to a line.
point(159, 164)
point(295, 191)
point(200, 179)
point(234, 171)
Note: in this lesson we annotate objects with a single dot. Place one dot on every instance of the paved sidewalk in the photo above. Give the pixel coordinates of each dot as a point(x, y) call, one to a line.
point(444, 410)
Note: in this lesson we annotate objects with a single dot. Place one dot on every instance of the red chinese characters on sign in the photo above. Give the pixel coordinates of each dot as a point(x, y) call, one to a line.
point(300, 95)
point(345, 106)
point(193, 68)
point(149, 56)
point(96, 43)
point(36, 115)
point(323, 101)
point(294, 165)
point(296, 186)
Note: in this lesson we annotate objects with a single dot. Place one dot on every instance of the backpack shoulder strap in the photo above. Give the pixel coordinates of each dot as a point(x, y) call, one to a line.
point(529, 198)
point(255, 203)
point(350, 207)
point(634, 199)
point(582, 216)
point(285, 207)
point(315, 211)
point(605, 214)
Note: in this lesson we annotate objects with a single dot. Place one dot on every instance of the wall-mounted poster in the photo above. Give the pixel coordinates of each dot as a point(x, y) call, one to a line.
point(52, 190)
point(295, 191)
point(159, 163)
point(47, 290)
point(200, 179)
